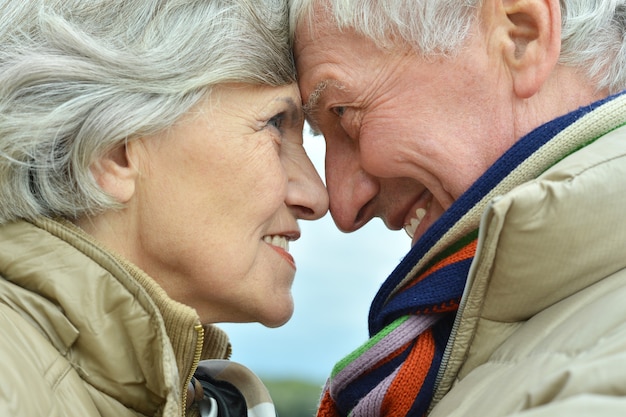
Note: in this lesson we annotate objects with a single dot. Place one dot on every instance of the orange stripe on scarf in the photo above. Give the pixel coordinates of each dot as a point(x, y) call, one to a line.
point(327, 407)
point(392, 356)
point(408, 382)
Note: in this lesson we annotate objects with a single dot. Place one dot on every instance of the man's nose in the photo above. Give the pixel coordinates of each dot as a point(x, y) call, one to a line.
point(351, 190)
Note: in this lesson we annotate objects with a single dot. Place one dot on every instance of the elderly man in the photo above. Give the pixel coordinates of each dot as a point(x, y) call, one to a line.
point(491, 131)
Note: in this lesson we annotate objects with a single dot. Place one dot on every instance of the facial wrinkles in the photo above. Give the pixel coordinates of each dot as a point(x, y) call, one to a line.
point(337, 92)
point(373, 117)
point(324, 70)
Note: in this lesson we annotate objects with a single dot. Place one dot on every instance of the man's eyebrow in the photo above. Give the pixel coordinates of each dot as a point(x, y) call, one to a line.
point(314, 98)
point(310, 107)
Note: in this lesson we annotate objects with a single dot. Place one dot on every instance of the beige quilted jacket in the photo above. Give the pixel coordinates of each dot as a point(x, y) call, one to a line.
point(84, 334)
point(542, 327)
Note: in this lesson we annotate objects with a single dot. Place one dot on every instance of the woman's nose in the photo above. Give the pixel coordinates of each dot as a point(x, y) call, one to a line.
point(307, 197)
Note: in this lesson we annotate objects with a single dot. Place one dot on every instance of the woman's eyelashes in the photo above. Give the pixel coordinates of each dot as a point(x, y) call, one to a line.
point(277, 121)
point(278, 124)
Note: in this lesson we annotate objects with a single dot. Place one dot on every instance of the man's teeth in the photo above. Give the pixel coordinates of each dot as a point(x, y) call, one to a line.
point(280, 241)
point(415, 221)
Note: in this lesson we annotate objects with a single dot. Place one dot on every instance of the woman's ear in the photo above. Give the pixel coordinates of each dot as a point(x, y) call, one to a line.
point(116, 174)
point(532, 42)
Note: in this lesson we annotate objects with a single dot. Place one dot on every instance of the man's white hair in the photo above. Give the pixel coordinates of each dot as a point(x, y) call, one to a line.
point(593, 31)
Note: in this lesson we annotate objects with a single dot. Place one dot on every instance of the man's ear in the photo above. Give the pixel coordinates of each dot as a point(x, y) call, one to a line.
point(533, 42)
point(116, 174)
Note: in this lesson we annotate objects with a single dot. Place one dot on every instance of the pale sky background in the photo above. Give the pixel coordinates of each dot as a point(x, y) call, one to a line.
point(337, 277)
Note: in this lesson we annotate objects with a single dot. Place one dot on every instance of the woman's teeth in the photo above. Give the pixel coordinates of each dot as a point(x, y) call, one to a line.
point(276, 240)
point(415, 221)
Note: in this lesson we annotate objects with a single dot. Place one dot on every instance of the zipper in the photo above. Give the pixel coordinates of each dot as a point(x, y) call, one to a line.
point(462, 303)
point(194, 365)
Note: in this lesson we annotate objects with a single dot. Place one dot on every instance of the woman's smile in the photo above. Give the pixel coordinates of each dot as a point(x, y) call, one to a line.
point(281, 245)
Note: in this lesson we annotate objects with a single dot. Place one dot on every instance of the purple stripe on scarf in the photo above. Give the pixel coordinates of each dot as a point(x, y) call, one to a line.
point(369, 406)
point(407, 331)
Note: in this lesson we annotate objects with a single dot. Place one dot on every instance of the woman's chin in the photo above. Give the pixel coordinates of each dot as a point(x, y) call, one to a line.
point(277, 317)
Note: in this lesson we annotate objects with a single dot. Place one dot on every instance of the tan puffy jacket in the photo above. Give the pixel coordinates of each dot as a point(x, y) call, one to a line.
point(84, 334)
point(542, 328)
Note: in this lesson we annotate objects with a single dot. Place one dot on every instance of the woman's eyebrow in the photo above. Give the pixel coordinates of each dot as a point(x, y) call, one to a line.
point(294, 110)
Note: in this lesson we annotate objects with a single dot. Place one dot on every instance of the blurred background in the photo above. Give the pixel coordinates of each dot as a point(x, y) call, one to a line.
point(337, 277)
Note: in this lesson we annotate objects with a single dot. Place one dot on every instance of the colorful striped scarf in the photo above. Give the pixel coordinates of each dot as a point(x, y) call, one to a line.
point(411, 318)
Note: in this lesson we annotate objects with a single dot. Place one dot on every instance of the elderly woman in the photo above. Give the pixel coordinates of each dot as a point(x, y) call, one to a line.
point(151, 176)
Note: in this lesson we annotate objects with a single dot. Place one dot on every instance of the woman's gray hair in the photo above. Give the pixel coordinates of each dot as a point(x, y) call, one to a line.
point(593, 31)
point(79, 77)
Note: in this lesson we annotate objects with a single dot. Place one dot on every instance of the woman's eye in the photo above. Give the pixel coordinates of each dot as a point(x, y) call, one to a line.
point(277, 121)
point(339, 110)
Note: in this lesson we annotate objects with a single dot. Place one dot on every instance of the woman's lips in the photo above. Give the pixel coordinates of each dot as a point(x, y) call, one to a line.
point(281, 245)
point(286, 255)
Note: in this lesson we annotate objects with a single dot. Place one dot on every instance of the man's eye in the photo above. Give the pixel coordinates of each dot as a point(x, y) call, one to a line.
point(277, 121)
point(339, 110)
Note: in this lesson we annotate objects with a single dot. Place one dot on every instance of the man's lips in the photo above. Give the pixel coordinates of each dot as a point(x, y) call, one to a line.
point(414, 224)
point(414, 221)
